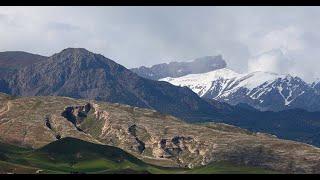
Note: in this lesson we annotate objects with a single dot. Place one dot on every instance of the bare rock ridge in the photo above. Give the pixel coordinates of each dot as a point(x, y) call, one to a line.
point(178, 69)
point(149, 134)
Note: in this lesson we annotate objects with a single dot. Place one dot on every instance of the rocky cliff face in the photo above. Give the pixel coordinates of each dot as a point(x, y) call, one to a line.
point(37, 121)
point(178, 69)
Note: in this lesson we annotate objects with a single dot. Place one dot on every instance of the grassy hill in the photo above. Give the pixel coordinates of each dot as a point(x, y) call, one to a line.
point(70, 155)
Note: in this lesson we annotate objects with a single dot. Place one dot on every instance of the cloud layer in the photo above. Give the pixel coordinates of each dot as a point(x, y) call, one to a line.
point(135, 36)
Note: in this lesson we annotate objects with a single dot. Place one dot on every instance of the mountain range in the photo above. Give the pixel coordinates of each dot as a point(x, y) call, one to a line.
point(266, 91)
point(55, 105)
point(78, 73)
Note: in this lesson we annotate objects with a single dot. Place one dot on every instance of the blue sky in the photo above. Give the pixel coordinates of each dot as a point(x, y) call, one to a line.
point(135, 36)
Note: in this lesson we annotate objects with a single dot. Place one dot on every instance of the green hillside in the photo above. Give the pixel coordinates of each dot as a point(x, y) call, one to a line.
point(70, 155)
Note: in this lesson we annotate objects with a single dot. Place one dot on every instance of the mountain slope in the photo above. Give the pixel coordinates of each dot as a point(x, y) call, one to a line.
point(178, 69)
point(18, 59)
point(13, 60)
point(79, 73)
point(147, 134)
point(262, 90)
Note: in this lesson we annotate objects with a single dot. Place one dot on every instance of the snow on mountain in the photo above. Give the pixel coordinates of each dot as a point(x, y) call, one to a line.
point(201, 83)
point(262, 90)
point(228, 80)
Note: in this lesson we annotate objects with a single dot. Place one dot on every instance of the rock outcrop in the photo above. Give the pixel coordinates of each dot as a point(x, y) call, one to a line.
point(178, 69)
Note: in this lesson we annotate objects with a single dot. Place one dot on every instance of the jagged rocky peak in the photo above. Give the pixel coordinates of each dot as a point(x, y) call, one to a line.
point(178, 69)
point(72, 50)
point(213, 61)
point(76, 55)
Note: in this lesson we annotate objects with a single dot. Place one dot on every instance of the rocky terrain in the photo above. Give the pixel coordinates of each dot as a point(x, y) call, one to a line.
point(178, 69)
point(148, 134)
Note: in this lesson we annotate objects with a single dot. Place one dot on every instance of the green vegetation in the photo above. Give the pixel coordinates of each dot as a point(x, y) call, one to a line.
point(91, 125)
point(71, 155)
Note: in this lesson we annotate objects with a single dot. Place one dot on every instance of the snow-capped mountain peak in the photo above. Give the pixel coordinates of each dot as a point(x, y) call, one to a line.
point(263, 90)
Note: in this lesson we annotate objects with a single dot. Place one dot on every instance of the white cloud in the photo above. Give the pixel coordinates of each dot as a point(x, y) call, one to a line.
point(289, 38)
point(272, 61)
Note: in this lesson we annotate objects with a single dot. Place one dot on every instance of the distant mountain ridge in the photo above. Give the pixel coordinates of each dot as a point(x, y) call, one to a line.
point(178, 69)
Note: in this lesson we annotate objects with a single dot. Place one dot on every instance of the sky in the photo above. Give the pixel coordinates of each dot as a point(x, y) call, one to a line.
point(278, 39)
